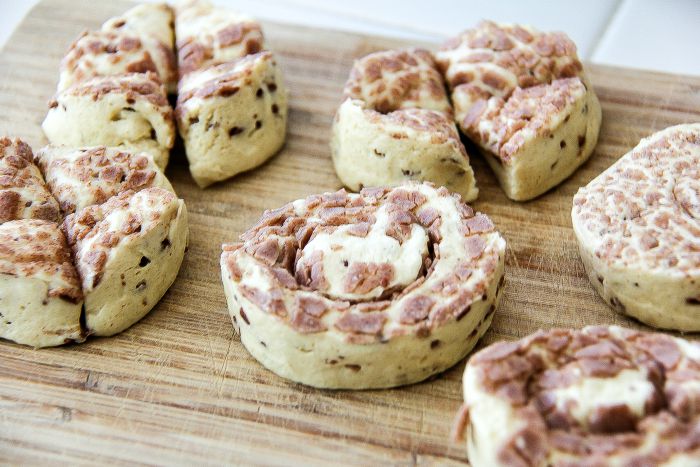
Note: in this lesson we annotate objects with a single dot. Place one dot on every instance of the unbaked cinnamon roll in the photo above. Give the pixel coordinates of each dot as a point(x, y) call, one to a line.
point(598, 396)
point(376, 289)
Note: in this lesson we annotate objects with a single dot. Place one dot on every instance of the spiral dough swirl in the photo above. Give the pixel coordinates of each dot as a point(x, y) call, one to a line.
point(598, 396)
point(375, 289)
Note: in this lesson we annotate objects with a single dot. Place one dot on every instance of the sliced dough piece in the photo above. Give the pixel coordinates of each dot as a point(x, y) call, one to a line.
point(106, 53)
point(370, 290)
point(128, 252)
point(40, 296)
point(398, 79)
point(154, 19)
point(522, 96)
point(80, 177)
point(541, 135)
point(232, 117)
point(638, 230)
point(374, 149)
point(599, 396)
point(128, 111)
point(139, 41)
point(23, 193)
point(396, 125)
point(209, 35)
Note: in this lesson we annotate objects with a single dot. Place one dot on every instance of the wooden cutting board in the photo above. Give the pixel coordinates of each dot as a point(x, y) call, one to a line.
point(179, 387)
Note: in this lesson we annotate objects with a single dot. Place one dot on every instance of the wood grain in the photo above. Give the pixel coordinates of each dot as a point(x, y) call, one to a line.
point(179, 388)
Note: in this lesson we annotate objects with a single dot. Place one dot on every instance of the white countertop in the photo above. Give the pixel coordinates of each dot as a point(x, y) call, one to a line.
point(647, 34)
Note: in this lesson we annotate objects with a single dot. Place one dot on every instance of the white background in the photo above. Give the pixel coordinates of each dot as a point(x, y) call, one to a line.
point(648, 34)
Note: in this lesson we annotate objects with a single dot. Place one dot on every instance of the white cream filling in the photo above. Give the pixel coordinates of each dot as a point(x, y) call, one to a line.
point(340, 250)
point(629, 387)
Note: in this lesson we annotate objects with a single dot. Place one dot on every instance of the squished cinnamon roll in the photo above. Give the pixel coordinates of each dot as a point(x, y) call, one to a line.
point(601, 396)
point(376, 289)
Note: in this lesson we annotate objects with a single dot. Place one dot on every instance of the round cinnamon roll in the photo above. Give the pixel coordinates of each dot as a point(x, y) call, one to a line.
point(638, 230)
point(376, 289)
point(598, 396)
